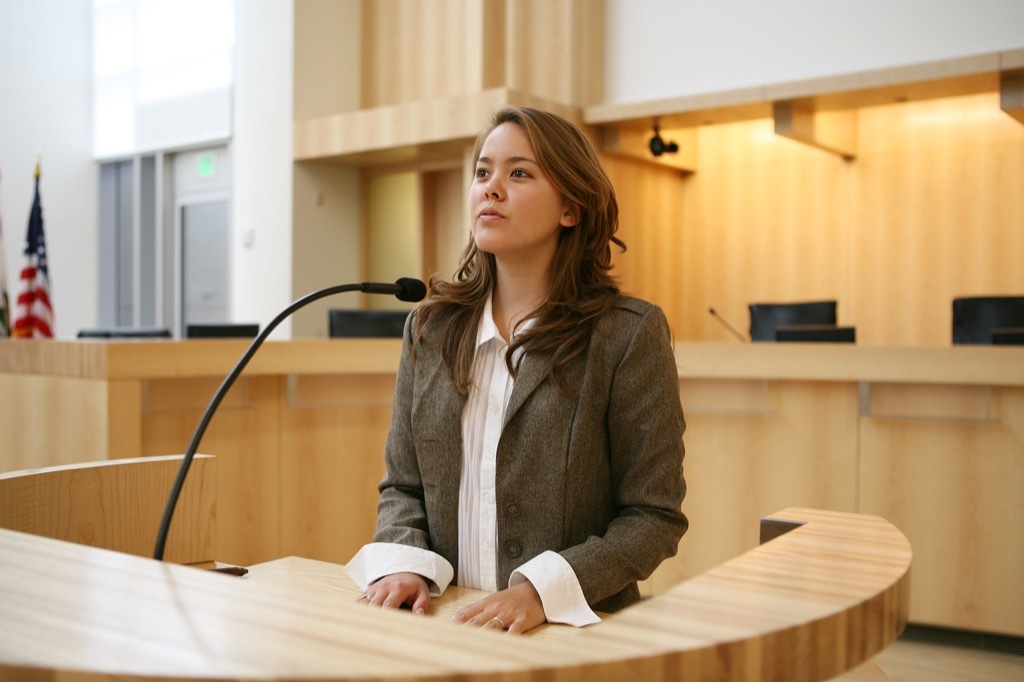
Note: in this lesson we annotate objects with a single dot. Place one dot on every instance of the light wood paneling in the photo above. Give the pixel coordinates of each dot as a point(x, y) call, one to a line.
point(124, 420)
point(449, 220)
point(335, 460)
point(66, 418)
point(422, 49)
point(930, 210)
point(555, 49)
point(393, 232)
point(954, 487)
point(938, 214)
point(763, 221)
point(797, 447)
point(652, 224)
point(334, 429)
point(244, 435)
point(327, 56)
point(418, 49)
point(116, 505)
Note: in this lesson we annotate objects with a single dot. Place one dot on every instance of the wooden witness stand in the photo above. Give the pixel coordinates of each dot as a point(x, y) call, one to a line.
point(811, 604)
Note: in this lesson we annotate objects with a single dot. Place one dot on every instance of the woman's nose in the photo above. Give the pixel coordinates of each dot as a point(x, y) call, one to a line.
point(493, 187)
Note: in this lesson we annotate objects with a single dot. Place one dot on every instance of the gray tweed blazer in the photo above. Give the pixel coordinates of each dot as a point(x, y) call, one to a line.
point(594, 474)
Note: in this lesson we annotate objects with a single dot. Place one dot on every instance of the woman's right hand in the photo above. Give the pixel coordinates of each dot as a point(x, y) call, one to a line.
point(397, 590)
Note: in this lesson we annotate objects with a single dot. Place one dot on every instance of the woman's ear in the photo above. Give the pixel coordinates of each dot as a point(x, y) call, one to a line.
point(570, 216)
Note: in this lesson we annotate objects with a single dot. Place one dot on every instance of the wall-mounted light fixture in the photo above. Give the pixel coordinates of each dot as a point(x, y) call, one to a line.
point(658, 146)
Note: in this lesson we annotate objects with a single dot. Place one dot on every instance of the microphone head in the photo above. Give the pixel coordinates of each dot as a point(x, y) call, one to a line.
point(411, 290)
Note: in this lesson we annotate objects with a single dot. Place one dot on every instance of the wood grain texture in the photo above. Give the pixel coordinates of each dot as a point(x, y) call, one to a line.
point(954, 487)
point(800, 449)
point(806, 606)
point(420, 49)
point(116, 505)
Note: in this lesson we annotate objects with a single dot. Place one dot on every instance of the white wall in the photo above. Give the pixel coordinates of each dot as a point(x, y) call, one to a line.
point(669, 48)
point(261, 278)
point(46, 103)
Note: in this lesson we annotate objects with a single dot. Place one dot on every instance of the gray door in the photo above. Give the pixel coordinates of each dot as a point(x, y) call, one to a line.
point(205, 263)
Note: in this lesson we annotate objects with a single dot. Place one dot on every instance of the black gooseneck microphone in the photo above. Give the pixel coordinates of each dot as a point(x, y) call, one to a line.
point(405, 289)
point(728, 326)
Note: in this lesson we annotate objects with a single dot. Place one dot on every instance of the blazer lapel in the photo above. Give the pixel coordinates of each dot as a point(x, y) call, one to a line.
point(532, 372)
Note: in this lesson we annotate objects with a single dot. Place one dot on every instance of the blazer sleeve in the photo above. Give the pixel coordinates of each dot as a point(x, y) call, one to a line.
point(645, 448)
point(401, 511)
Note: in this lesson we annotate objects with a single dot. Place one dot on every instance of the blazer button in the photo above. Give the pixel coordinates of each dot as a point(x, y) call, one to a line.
point(512, 509)
point(513, 549)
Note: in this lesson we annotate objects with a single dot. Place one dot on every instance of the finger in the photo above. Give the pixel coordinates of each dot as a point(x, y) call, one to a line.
point(422, 602)
point(494, 623)
point(463, 616)
point(392, 599)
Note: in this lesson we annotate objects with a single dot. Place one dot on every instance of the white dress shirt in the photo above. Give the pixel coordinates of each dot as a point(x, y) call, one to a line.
point(482, 419)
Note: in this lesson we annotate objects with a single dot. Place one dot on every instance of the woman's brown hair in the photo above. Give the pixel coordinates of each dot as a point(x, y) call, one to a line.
point(581, 289)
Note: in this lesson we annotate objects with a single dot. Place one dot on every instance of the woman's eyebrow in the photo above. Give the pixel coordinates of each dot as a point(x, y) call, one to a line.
point(512, 159)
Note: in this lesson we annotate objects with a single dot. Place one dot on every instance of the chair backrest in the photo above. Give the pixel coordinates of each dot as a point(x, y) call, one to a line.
point(366, 323)
point(125, 333)
point(975, 318)
point(222, 330)
point(765, 317)
point(810, 333)
point(116, 504)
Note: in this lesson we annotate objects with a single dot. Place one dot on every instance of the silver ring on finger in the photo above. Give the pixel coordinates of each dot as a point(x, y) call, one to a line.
point(500, 622)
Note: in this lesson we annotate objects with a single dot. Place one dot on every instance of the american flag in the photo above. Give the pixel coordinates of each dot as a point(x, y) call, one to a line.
point(34, 311)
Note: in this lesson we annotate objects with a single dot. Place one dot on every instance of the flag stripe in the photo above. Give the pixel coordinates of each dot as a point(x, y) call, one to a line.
point(35, 311)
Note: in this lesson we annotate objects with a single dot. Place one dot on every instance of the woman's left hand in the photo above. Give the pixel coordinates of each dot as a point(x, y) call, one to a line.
point(516, 609)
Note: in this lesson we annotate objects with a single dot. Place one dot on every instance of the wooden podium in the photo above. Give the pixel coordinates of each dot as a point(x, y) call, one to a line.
point(810, 604)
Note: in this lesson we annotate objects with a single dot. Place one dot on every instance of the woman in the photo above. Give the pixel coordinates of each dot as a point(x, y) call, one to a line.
point(535, 448)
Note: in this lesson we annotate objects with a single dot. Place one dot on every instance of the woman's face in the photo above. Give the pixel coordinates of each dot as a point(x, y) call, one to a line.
point(517, 214)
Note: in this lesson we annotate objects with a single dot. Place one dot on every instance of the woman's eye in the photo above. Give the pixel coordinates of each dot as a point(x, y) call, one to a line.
point(520, 173)
point(481, 172)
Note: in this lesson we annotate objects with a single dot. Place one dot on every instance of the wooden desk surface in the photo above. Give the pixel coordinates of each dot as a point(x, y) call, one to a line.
point(324, 580)
point(154, 359)
point(809, 605)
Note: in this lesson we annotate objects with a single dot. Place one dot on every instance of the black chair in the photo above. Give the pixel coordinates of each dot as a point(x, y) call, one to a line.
point(766, 317)
point(222, 330)
point(125, 333)
point(1008, 336)
point(816, 333)
point(366, 324)
point(979, 319)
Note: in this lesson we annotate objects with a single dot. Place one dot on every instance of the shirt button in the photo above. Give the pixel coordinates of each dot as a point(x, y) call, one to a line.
point(512, 509)
point(513, 549)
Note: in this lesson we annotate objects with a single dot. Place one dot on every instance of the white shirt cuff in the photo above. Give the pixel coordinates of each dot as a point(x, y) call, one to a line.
point(559, 589)
point(378, 559)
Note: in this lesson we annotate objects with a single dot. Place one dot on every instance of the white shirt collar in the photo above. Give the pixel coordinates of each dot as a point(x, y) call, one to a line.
point(487, 330)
